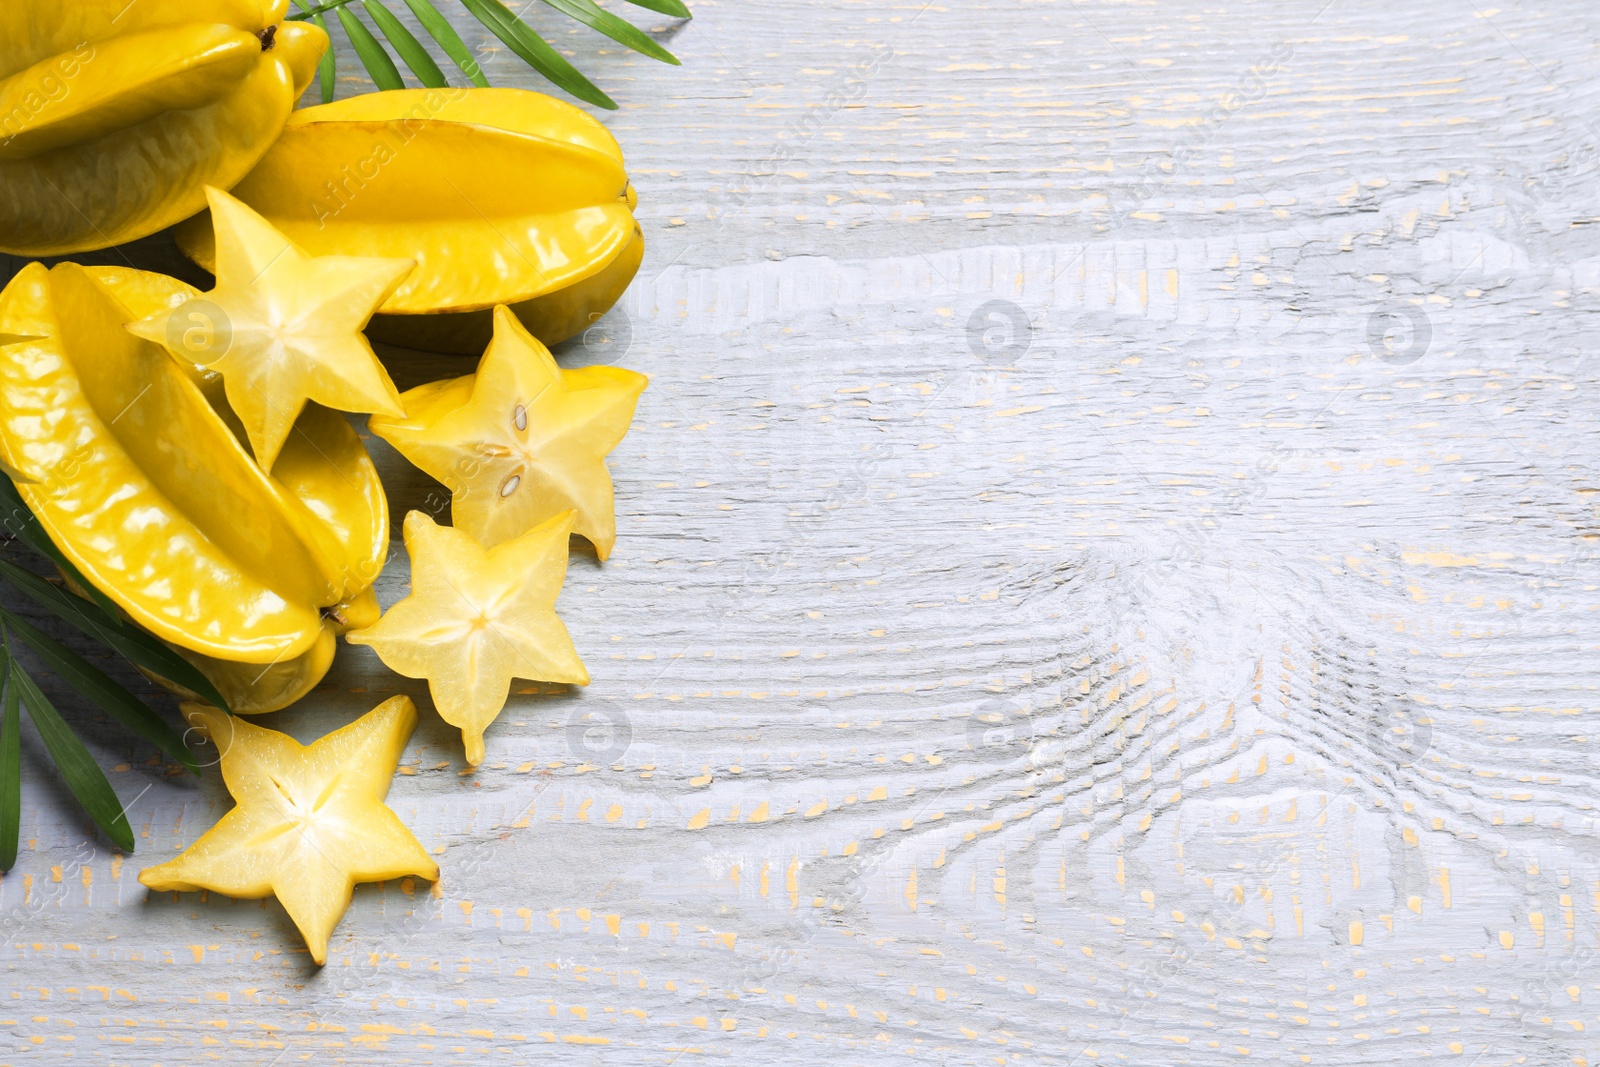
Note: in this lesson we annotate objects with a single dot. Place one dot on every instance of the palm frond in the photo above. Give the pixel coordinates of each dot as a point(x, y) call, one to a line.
point(512, 31)
point(96, 617)
point(10, 770)
point(84, 776)
point(595, 17)
point(371, 53)
point(448, 39)
point(326, 69)
point(674, 8)
point(536, 51)
point(416, 57)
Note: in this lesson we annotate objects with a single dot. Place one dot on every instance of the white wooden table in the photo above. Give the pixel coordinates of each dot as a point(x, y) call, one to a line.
point(1107, 574)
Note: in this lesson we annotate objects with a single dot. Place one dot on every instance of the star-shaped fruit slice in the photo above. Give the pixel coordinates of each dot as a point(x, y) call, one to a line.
point(477, 618)
point(282, 327)
point(522, 440)
point(310, 821)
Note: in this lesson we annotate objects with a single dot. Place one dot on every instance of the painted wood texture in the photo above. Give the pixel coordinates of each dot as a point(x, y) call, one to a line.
point(1107, 574)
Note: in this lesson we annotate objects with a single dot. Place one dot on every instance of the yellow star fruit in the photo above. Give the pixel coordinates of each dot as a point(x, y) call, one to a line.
point(502, 196)
point(283, 327)
point(478, 618)
point(115, 114)
point(310, 821)
point(138, 469)
point(522, 440)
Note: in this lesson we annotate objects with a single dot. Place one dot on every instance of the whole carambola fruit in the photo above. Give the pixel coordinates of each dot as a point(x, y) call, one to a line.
point(140, 473)
point(501, 196)
point(116, 114)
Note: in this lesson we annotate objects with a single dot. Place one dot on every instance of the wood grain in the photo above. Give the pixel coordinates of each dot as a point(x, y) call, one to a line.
point(1188, 659)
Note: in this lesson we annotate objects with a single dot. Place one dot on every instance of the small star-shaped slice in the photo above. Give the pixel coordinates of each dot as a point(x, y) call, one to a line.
point(478, 618)
point(282, 327)
point(310, 821)
point(521, 440)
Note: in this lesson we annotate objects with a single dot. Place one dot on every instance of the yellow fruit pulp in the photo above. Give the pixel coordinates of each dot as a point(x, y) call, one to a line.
point(310, 821)
point(476, 619)
point(521, 440)
point(291, 326)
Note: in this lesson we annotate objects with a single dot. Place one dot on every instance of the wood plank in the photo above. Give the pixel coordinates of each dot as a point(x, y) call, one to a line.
point(1156, 666)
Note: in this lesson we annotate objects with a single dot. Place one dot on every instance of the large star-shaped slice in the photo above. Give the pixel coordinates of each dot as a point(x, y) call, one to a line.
point(521, 440)
point(310, 822)
point(282, 327)
point(478, 618)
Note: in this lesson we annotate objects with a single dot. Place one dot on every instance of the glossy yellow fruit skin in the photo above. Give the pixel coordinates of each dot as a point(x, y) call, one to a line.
point(251, 690)
point(114, 116)
point(140, 475)
point(501, 196)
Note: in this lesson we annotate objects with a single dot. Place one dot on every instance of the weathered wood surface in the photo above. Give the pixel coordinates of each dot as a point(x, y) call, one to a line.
point(1201, 670)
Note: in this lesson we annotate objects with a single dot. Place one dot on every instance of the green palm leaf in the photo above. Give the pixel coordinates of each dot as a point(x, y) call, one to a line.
point(536, 51)
point(595, 17)
point(325, 66)
point(10, 770)
point(674, 8)
point(110, 697)
point(83, 775)
point(143, 649)
point(449, 40)
point(515, 33)
point(384, 73)
point(416, 57)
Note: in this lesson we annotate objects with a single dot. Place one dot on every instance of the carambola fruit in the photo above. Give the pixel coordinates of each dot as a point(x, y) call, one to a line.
point(116, 114)
point(140, 473)
point(501, 196)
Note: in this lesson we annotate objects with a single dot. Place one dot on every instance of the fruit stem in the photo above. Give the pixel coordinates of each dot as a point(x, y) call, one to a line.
point(268, 36)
